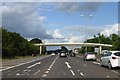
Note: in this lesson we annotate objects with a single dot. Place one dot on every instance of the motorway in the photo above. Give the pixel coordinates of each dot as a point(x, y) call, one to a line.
point(56, 67)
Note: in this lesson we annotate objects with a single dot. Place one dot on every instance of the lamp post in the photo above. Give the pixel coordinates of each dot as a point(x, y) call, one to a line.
point(86, 16)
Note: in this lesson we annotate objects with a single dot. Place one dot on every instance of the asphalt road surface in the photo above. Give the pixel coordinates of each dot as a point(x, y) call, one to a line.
point(56, 67)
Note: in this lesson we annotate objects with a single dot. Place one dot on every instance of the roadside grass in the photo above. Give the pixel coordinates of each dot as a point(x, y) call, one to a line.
point(19, 57)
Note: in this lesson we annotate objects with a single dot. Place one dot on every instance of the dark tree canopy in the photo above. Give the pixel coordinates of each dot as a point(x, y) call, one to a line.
point(35, 40)
point(113, 39)
point(15, 45)
point(63, 48)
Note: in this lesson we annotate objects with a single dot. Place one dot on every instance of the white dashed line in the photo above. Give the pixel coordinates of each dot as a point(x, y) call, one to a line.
point(67, 64)
point(85, 65)
point(108, 76)
point(114, 71)
point(53, 63)
point(81, 74)
point(97, 63)
point(21, 64)
point(37, 72)
point(48, 69)
point(80, 56)
point(38, 59)
point(44, 75)
point(18, 74)
point(34, 65)
point(47, 72)
point(72, 72)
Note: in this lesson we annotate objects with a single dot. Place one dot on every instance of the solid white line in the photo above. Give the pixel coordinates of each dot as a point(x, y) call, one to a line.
point(72, 72)
point(67, 64)
point(34, 65)
point(21, 64)
point(37, 72)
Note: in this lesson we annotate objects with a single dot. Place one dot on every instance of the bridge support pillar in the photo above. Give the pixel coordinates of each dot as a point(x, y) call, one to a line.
point(100, 49)
point(40, 50)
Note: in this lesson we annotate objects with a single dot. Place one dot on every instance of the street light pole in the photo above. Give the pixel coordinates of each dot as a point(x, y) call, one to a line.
point(86, 18)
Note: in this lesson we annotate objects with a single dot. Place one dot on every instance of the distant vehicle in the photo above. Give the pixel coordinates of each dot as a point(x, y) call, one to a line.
point(72, 54)
point(76, 51)
point(63, 54)
point(53, 54)
point(111, 59)
point(89, 56)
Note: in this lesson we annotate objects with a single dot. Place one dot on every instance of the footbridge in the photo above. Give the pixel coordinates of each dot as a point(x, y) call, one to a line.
point(74, 44)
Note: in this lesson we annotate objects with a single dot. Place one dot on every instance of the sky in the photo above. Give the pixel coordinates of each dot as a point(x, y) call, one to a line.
point(60, 21)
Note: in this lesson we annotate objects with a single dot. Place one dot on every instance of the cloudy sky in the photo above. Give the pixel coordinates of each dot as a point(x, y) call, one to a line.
point(60, 21)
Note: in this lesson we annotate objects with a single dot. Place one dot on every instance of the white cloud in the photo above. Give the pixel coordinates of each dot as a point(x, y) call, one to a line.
point(89, 30)
point(74, 38)
point(57, 34)
point(110, 30)
point(71, 7)
point(60, 0)
point(24, 19)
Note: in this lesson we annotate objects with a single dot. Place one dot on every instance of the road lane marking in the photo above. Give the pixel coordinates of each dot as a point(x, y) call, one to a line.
point(80, 56)
point(22, 64)
point(37, 72)
point(98, 59)
point(81, 74)
point(48, 69)
point(108, 76)
point(44, 75)
point(13, 72)
point(67, 64)
point(47, 72)
point(24, 72)
point(97, 63)
point(53, 63)
point(114, 71)
point(72, 72)
point(18, 74)
point(34, 65)
point(33, 60)
point(85, 65)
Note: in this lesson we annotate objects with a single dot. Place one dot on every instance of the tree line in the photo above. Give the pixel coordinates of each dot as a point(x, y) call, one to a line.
point(13, 45)
point(113, 39)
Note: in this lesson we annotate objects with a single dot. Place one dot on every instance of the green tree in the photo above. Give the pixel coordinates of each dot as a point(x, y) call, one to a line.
point(15, 45)
point(35, 41)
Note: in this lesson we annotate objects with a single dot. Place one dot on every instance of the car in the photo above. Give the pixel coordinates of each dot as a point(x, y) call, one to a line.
point(89, 56)
point(53, 54)
point(63, 54)
point(72, 54)
point(111, 59)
